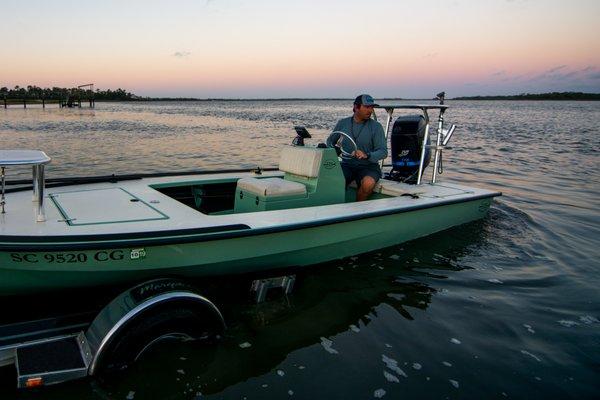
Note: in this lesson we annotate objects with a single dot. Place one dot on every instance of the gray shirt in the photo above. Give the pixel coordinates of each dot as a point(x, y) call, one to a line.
point(369, 137)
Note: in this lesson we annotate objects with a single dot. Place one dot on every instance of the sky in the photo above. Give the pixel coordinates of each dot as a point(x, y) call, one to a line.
point(303, 48)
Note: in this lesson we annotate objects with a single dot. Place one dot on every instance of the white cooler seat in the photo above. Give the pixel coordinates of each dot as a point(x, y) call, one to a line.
point(271, 187)
point(303, 162)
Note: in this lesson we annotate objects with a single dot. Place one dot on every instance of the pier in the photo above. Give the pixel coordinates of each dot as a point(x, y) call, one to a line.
point(75, 96)
point(24, 102)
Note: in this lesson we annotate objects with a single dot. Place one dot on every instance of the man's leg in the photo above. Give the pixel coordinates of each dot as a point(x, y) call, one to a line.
point(367, 184)
point(349, 174)
point(368, 177)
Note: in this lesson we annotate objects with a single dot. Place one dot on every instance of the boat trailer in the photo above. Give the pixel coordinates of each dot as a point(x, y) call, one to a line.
point(55, 350)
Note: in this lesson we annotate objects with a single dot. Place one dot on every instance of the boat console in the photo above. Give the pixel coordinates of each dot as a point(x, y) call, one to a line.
point(313, 177)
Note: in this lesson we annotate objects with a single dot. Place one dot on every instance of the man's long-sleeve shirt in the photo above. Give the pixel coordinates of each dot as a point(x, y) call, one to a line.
point(369, 138)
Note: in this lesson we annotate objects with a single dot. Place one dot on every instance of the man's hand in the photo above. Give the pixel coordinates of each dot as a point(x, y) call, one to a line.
point(361, 155)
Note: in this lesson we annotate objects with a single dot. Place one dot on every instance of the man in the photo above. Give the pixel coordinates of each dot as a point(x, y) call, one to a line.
point(371, 147)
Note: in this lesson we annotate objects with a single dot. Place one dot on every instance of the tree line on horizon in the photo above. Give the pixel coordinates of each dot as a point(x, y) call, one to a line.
point(56, 93)
point(537, 96)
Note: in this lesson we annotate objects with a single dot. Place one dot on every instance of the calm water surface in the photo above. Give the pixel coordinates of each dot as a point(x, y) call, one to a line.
point(507, 307)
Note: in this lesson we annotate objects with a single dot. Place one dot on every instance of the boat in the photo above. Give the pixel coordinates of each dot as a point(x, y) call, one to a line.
point(160, 235)
point(79, 233)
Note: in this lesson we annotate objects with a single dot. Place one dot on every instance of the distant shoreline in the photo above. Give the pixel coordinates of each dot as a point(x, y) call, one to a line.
point(568, 96)
point(33, 94)
point(577, 96)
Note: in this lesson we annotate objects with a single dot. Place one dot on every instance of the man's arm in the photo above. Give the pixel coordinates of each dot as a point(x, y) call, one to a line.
point(333, 137)
point(380, 151)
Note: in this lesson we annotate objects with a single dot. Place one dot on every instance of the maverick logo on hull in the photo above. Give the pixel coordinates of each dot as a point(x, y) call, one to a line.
point(329, 164)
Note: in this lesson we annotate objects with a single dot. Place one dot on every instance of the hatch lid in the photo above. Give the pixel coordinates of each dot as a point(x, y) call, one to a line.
point(104, 206)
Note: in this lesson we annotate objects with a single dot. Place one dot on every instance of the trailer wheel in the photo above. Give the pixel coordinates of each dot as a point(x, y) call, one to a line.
point(177, 320)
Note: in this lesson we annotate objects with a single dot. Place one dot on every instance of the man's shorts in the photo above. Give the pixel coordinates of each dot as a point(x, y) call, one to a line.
point(358, 172)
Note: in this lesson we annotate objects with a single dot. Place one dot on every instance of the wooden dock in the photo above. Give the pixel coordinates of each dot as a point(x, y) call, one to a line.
point(24, 102)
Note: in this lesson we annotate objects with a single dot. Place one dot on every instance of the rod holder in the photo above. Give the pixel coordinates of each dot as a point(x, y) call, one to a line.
point(448, 134)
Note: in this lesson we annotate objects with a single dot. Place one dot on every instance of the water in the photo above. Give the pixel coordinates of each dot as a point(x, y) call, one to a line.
point(506, 307)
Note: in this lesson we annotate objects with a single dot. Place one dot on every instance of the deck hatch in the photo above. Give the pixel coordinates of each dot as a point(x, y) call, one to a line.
point(439, 191)
point(431, 191)
point(103, 206)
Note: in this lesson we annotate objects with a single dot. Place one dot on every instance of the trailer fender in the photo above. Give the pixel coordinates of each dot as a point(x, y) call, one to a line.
point(146, 314)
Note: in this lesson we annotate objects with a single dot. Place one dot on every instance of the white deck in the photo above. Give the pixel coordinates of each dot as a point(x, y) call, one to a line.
point(106, 208)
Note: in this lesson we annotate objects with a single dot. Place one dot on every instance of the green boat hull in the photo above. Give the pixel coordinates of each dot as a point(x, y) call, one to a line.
point(23, 272)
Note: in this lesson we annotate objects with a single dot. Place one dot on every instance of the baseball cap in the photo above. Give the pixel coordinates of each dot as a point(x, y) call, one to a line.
point(365, 100)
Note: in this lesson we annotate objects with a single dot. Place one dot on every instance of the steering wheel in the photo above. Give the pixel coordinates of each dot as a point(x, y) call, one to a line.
point(339, 145)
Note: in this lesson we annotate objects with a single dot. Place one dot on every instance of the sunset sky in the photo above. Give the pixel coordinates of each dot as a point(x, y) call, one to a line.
point(309, 48)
